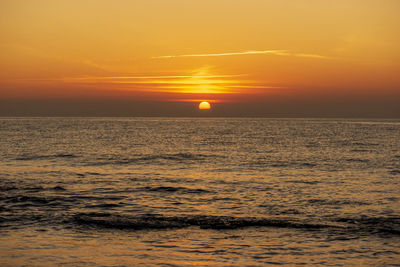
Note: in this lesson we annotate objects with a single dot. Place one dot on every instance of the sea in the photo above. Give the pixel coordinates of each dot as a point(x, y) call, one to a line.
point(199, 192)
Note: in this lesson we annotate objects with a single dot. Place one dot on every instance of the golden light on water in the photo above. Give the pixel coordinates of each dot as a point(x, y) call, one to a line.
point(160, 132)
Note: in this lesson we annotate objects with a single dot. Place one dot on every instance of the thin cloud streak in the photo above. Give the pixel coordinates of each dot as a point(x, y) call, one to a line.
point(154, 77)
point(110, 78)
point(199, 83)
point(275, 52)
point(250, 52)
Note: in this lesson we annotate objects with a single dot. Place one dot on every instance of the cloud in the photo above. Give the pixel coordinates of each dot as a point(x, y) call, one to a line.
point(250, 52)
point(110, 78)
point(200, 82)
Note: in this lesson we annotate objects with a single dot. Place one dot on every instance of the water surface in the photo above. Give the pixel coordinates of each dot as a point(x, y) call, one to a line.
point(159, 191)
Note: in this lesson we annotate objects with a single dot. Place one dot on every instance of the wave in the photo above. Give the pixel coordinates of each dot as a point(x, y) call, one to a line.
point(169, 189)
point(29, 189)
point(104, 205)
point(38, 157)
point(58, 188)
point(389, 225)
point(7, 188)
point(178, 157)
point(13, 187)
point(282, 164)
point(203, 221)
point(358, 150)
point(25, 220)
point(36, 200)
point(356, 143)
point(357, 160)
point(394, 172)
point(303, 182)
point(336, 202)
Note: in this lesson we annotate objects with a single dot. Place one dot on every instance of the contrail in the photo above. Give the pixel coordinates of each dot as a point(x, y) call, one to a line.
point(250, 52)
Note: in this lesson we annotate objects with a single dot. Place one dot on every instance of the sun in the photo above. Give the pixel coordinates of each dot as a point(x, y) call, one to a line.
point(204, 105)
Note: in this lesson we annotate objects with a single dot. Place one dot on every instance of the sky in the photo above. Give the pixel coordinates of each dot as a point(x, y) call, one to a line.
point(272, 58)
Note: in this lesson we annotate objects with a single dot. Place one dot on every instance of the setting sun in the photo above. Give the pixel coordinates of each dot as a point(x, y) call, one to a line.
point(118, 58)
point(204, 105)
point(199, 132)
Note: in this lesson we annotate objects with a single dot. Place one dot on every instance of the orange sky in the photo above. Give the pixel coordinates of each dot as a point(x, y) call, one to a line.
point(176, 51)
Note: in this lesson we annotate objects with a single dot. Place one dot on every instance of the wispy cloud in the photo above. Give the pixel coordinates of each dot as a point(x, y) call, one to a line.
point(198, 83)
point(308, 55)
point(156, 77)
point(249, 52)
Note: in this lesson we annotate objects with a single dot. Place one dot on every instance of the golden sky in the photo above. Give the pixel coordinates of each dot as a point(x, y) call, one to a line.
point(224, 51)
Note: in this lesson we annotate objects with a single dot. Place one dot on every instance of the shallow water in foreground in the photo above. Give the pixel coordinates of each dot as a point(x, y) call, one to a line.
point(158, 191)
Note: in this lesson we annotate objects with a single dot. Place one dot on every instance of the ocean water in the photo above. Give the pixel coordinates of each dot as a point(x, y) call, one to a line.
point(203, 191)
